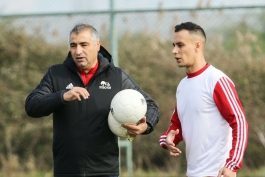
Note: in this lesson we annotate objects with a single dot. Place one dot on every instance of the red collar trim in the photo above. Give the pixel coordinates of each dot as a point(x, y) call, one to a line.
point(190, 75)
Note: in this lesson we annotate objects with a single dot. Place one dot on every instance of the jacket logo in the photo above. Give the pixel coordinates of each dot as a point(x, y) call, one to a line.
point(104, 85)
point(69, 86)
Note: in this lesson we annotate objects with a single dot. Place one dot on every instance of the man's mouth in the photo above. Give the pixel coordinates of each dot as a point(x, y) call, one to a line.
point(80, 58)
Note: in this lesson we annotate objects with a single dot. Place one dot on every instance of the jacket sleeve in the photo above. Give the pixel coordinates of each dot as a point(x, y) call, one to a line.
point(43, 101)
point(152, 114)
point(175, 124)
point(228, 103)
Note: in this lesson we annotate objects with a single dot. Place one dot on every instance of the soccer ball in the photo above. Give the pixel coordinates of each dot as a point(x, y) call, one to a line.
point(116, 127)
point(128, 106)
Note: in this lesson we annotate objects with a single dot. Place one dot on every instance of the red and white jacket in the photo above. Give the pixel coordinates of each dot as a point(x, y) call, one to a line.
point(211, 121)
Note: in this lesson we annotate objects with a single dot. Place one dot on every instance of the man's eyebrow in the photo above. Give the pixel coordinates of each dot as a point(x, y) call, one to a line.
point(82, 43)
point(177, 43)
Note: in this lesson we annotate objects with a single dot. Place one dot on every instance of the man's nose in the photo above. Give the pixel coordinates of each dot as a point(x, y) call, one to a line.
point(79, 50)
point(174, 50)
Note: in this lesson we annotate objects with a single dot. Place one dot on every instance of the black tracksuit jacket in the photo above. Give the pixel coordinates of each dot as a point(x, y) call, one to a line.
point(83, 144)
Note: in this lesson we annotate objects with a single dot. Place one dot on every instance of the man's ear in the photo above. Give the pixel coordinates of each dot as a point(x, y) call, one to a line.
point(98, 44)
point(198, 46)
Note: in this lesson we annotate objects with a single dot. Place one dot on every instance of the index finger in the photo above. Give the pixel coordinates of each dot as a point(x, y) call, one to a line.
point(81, 92)
point(174, 149)
point(84, 93)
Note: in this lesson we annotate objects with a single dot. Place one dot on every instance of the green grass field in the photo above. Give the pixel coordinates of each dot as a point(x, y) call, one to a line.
point(138, 173)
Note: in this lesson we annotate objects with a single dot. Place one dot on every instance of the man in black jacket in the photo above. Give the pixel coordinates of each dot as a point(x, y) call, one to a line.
point(83, 144)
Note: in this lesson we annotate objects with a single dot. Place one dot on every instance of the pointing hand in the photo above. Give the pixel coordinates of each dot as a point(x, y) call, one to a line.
point(76, 93)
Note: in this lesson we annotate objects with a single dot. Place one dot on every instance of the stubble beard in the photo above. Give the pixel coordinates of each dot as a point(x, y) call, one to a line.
point(82, 65)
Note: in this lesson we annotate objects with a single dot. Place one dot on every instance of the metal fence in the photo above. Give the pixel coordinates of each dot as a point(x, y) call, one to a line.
point(115, 18)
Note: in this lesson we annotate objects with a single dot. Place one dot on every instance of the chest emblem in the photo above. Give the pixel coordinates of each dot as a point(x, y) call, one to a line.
point(69, 86)
point(104, 85)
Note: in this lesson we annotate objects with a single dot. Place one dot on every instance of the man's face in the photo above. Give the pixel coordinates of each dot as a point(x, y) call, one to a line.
point(184, 48)
point(84, 49)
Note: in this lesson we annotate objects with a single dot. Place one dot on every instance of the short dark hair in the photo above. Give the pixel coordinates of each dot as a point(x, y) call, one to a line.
point(191, 27)
point(80, 27)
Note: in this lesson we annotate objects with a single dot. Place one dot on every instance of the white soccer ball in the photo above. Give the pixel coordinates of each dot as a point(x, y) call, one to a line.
point(116, 127)
point(128, 106)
